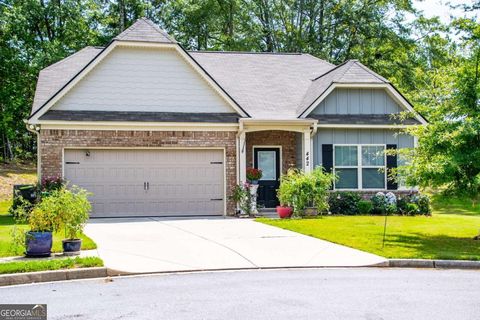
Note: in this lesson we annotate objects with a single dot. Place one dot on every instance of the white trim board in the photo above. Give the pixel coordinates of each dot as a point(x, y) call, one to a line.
point(392, 92)
point(139, 126)
point(34, 118)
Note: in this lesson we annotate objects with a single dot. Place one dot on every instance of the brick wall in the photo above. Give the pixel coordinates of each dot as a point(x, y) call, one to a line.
point(285, 139)
point(53, 142)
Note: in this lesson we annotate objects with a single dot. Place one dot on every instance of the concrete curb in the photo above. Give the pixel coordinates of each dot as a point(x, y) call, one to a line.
point(102, 272)
point(54, 275)
point(433, 264)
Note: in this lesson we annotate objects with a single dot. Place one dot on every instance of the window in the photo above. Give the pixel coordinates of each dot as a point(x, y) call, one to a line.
point(360, 166)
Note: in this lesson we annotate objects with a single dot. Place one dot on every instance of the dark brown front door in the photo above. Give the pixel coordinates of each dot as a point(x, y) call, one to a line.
point(268, 160)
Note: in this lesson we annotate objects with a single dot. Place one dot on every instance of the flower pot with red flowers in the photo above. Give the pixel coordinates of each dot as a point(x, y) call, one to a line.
point(253, 175)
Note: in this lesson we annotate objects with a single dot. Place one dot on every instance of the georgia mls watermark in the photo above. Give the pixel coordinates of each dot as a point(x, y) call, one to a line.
point(23, 311)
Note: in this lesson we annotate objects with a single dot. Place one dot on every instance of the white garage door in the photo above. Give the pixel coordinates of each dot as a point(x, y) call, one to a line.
point(149, 182)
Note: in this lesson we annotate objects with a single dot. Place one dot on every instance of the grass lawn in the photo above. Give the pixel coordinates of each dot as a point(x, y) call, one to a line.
point(7, 224)
point(446, 235)
point(57, 264)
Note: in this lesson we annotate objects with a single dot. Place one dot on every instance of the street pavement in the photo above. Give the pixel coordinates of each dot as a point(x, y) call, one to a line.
point(351, 293)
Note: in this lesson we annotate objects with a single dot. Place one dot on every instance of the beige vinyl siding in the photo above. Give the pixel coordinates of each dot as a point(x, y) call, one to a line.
point(143, 79)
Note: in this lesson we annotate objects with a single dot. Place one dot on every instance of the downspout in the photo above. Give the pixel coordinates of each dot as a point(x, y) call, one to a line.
point(313, 132)
point(36, 129)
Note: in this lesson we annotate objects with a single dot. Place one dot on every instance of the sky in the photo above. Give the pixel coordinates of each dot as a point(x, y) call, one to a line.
point(440, 8)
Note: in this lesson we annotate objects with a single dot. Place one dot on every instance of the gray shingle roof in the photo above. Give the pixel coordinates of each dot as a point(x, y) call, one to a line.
point(266, 85)
point(53, 78)
point(145, 30)
point(139, 116)
point(351, 71)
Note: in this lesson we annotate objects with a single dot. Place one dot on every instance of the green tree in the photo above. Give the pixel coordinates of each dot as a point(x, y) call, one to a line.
point(449, 147)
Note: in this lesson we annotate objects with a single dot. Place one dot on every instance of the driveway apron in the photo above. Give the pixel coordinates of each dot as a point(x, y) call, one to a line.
point(141, 245)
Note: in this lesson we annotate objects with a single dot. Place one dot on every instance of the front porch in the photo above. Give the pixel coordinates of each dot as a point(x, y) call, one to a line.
point(274, 146)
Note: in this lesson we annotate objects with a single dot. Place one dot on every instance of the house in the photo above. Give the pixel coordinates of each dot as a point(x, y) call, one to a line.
point(153, 129)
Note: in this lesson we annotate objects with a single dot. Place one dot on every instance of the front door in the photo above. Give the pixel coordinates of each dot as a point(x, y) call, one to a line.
point(268, 160)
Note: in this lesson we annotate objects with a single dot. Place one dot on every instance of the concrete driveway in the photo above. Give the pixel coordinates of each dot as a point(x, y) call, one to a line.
point(160, 244)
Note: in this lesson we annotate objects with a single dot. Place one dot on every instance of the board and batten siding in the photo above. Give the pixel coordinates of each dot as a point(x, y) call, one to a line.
point(358, 136)
point(143, 79)
point(357, 101)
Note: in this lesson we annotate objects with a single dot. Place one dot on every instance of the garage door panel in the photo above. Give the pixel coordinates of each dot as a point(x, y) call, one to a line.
point(181, 182)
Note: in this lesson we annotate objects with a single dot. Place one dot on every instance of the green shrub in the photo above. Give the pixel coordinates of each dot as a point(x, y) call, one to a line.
point(365, 206)
point(344, 202)
point(423, 202)
point(300, 190)
point(412, 209)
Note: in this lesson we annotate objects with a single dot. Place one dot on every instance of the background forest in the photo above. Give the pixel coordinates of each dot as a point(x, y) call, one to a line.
point(435, 65)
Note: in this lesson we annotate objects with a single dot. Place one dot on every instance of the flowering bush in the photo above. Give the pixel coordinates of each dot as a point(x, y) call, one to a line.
point(254, 174)
point(49, 184)
point(413, 204)
point(242, 197)
point(384, 203)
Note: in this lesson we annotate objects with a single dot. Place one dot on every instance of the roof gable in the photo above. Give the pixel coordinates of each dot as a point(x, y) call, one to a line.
point(138, 79)
point(351, 71)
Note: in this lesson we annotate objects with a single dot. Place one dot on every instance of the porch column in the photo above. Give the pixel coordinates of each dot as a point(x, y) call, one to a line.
point(242, 155)
point(307, 151)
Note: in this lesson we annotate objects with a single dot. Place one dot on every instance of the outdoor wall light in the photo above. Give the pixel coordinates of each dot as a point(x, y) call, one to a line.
point(87, 153)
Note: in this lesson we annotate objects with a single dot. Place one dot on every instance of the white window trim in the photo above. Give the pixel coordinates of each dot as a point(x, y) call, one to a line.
point(360, 166)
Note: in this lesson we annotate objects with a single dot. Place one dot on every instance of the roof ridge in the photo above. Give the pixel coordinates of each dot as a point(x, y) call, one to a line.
point(376, 75)
point(317, 58)
point(125, 33)
point(333, 69)
point(352, 62)
point(158, 29)
point(61, 61)
point(247, 52)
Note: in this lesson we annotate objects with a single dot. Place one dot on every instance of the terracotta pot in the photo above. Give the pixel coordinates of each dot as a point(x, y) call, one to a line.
point(284, 212)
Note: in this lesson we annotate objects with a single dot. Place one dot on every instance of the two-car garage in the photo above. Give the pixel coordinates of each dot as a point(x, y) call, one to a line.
point(149, 182)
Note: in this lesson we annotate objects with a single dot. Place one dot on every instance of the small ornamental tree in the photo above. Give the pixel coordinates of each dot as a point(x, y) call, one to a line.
point(300, 190)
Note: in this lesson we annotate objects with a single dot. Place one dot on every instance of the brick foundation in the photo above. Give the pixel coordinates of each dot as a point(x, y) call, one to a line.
point(54, 141)
point(285, 139)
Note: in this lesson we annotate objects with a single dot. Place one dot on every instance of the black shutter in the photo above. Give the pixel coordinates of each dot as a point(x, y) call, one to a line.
point(391, 164)
point(327, 158)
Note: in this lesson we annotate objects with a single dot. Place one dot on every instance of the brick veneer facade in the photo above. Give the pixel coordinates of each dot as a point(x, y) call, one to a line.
point(285, 139)
point(52, 143)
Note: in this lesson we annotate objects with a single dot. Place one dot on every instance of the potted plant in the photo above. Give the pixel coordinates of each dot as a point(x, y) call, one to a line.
point(43, 220)
point(253, 175)
point(73, 210)
point(285, 196)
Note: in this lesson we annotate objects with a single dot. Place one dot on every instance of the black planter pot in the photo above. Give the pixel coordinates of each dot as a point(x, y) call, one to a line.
point(71, 246)
point(38, 244)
